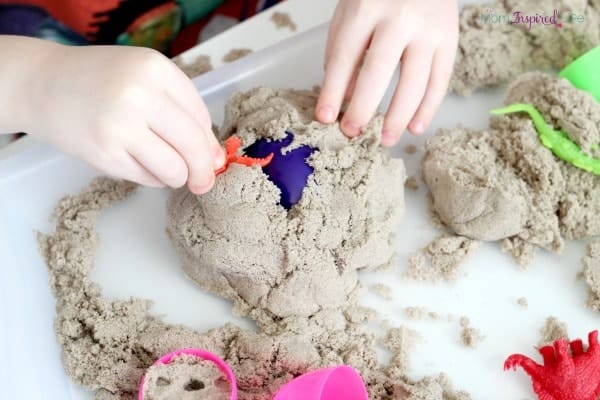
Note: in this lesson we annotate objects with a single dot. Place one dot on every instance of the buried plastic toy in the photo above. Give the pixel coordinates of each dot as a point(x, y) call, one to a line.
point(288, 171)
point(557, 141)
point(584, 74)
point(232, 145)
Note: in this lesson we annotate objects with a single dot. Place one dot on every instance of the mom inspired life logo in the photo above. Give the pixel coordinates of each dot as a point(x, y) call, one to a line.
point(529, 20)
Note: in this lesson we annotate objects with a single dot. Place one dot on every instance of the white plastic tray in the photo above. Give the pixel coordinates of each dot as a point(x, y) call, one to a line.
point(136, 258)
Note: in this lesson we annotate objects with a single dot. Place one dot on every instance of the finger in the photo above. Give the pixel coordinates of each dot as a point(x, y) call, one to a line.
point(217, 150)
point(126, 167)
point(332, 32)
point(189, 139)
point(414, 74)
point(343, 60)
point(177, 85)
point(373, 80)
point(159, 159)
point(183, 91)
point(352, 85)
point(441, 71)
point(185, 94)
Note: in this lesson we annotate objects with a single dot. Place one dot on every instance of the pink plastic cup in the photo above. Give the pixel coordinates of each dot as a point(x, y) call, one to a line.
point(203, 355)
point(335, 383)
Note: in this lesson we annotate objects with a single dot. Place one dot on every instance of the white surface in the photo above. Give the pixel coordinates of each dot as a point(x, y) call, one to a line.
point(136, 259)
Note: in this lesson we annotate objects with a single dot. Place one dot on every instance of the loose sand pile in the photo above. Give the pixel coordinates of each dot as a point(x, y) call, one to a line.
point(411, 184)
point(492, 51)
point(383, 290)
point(441, 259)
point(502, 184)
point(107, 345)
point(469, 336)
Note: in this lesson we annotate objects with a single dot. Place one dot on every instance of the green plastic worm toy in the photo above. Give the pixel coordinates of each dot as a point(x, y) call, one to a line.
point(584, 74)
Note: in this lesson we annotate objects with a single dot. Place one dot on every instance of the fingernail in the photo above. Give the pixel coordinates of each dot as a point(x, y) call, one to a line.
point(326, 113)
point(350, 128)
point(219, 158)
point(418, 127)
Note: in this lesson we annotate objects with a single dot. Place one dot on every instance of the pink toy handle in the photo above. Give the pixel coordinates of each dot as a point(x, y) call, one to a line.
point(202, 354)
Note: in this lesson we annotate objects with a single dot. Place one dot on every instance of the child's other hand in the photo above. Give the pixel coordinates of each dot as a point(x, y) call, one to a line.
point(367, 39)
point(129, 112)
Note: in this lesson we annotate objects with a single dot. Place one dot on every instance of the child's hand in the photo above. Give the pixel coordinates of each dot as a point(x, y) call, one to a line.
point(129, 112)
point(423, 34)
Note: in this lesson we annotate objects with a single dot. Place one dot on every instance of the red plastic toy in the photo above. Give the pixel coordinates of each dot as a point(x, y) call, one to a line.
point(569, 372)
point(232, 145)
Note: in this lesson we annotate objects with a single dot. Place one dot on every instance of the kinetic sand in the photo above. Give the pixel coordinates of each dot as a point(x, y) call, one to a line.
point(107, 345)
point(501, 184)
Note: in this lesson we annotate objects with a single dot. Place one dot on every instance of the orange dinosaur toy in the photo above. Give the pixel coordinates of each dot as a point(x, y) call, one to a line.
point(232, 145)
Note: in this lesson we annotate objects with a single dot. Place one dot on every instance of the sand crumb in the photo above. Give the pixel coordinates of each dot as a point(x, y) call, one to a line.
point(385, 324)
point(283, 20)
point(552, 330)
point(411, 183)
point(434, 315)
point(199, 66)
point(417, 265)
point(416, 313)
point(469, 336)
point(361, 314)
point(383, 291)
point(441, 260)
point(438, 388)
point(236, 54)
point(522, 301)
point(401, 343)
point(520, 250)
point(591, 273)
point(410, 149)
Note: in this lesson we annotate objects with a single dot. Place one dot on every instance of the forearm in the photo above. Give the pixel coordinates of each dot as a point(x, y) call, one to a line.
point(22, 61)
